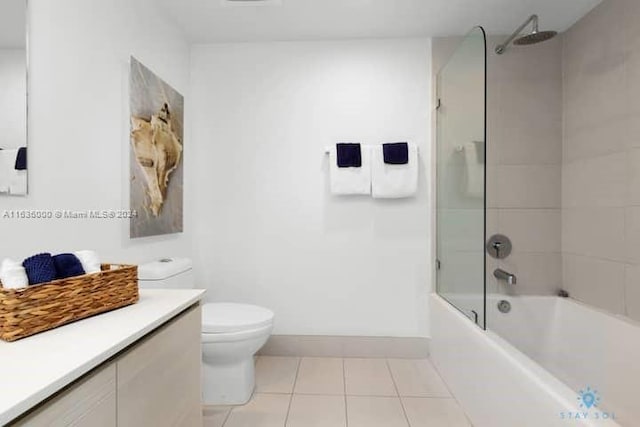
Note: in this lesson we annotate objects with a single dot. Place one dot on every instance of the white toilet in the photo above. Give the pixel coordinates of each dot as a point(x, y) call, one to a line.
point(231, 334)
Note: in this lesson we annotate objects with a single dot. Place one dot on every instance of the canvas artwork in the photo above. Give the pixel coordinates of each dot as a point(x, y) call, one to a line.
point(156, 152)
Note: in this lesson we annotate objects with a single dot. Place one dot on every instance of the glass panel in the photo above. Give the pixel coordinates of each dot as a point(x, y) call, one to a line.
point(461, 89)
point(13, 97)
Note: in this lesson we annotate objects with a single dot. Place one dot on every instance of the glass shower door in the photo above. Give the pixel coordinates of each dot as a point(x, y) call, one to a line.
point(460, 174)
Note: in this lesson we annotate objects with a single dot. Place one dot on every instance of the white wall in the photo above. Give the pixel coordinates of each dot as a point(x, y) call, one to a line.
point(268, 230)
point(78, 124)
point(13, 98)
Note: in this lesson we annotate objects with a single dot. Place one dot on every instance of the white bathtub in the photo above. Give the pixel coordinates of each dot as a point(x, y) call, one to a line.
point(569, 346)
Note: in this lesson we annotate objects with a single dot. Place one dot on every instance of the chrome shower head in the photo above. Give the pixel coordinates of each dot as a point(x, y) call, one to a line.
point(533, 37)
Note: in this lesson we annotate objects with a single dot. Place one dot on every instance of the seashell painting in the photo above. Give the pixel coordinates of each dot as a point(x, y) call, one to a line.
point(156, 151)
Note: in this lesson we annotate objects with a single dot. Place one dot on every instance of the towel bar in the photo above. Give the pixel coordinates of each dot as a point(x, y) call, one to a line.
point(327, 148)
point(460, 148)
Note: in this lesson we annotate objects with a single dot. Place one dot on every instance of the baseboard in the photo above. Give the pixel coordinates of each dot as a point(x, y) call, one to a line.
point(345, 346)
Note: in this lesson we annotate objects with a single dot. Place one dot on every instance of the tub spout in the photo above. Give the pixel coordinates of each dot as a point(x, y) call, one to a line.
point(500, 274)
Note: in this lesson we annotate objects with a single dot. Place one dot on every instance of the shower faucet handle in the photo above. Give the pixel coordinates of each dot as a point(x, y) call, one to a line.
point(499, 246)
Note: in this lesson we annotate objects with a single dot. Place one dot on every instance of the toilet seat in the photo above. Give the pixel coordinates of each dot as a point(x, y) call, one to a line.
point(229, 318)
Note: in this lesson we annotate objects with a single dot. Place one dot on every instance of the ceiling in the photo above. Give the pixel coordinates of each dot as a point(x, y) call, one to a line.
point(12, 24)
point(210, 21)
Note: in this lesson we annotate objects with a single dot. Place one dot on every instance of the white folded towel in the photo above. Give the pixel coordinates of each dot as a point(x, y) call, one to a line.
point(474, 169)
point(394, 181)
point(18, 182)
point(89, 260)
point(350, 180)
point(12, 181)
point(7, 168)
point(13, 275)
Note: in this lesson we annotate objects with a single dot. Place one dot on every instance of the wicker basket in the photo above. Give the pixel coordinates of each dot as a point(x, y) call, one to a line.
point(27, 311)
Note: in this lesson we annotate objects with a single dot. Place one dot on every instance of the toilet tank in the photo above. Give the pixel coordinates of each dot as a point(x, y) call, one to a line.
point(166, 273)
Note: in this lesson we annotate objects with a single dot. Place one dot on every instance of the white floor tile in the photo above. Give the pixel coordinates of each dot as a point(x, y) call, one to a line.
point(368, 377)
point(317, 411)
point(318, 375)
point(215, 416)
point(264, 410)
point(375, 412)
point(417, 378)
point(276, 374)
point(434, 412)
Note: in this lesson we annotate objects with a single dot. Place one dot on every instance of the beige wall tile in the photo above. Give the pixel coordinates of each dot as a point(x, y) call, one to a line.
point(537, 273)
point(595, 111)
point(375, 412)
point(633, 168)
point(531, 230)
point(317, 411)
point(524, 102)
point(632, 291)
point(527, 186)
point(276, 374)
point(632, 234)
point(434, 412)
point(601, 150)
point(595, 281)
point(633, 70)
point(533, 144)
point(463, 228)
point(594, 232)
point(368, 377)
point(320, 376)
point(596, 182)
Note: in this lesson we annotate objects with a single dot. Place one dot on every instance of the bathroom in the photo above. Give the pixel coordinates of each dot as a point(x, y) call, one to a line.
point(501, 289)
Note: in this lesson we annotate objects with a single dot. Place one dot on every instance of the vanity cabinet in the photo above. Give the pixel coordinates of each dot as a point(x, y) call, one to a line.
point(159, 379)
point(155, 382)
point(89, 402)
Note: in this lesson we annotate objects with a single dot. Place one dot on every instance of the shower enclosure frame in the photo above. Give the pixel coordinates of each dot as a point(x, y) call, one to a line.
point(482, 324)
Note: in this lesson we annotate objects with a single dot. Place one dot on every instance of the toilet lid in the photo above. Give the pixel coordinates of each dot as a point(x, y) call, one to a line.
point(230, 317)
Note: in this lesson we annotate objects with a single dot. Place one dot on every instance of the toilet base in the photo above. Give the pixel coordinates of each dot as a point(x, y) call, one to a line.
point(229, 383)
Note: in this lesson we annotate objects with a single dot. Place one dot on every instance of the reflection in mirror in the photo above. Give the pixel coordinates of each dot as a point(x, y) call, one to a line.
point(13, 97)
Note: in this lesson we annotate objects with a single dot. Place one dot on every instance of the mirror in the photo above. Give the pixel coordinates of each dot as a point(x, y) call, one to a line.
point(13, 97)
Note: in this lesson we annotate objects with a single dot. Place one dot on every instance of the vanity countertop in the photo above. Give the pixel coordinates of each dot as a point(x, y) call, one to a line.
point(36, 367)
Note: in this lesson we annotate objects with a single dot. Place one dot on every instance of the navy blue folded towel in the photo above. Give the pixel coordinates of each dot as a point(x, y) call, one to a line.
point(67, 265)
point(349, 155)
point(21, 159)
point(396, 153)
point(40, 268)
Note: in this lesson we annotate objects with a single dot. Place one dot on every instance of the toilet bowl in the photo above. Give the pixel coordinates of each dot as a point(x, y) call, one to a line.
point(231, 336)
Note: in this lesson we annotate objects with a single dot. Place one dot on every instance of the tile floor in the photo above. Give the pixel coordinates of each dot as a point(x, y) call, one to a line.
point(335, 392)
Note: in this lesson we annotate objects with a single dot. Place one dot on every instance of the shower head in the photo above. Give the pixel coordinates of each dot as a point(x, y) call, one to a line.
point(533, 37)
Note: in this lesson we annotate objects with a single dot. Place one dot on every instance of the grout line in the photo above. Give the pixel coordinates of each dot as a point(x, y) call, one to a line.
point(452, 396)
point(295, 380)
point(226, 418)
point(344, 387)
point(393, 379)
point(404, 410)
point(435, 369)
point(277, 393)
point(318, 393)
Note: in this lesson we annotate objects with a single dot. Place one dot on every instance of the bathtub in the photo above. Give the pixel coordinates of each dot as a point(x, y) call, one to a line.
point(527, 368)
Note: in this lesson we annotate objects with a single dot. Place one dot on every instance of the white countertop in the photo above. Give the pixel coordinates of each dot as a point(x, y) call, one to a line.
point(34, 368)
